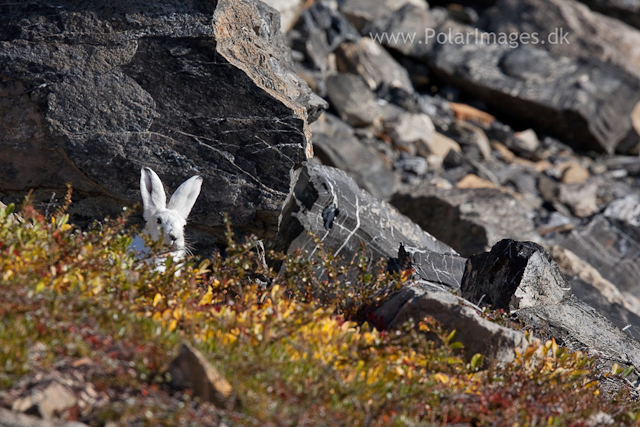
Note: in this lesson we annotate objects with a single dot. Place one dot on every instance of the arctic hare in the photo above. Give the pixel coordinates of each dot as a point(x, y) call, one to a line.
point(166, 222)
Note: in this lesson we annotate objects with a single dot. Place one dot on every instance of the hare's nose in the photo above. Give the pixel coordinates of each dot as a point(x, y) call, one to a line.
point(172, 236)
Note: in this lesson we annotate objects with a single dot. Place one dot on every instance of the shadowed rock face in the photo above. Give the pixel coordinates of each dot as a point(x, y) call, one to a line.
point(523, 278)
point(92, 91)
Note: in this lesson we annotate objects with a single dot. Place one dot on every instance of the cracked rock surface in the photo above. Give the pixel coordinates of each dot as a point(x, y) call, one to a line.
point(329, 205)
point(92, 91)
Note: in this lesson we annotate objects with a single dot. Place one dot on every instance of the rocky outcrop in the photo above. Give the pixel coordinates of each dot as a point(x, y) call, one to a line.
point(335, 144)
point(610, 250)
point(478, 335)
point(90, 92)
point(328, 205)
point(561, 95)
point(470, 220)
point(521, 277)
point(587, 284)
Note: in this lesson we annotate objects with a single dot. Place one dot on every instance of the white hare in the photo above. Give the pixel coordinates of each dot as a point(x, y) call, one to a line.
point(166, 222)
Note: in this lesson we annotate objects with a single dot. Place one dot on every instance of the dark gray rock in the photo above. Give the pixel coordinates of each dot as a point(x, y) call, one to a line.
point(522, 277)
point(92, 91)
point(513, 275)
point(373, 63)
point(363, 12)
point(479, 335)
point(335, 144)
point(327, 203)
point(445, 269)
point(470, 220)
point(588, 285)
point(587, 34)
point(612, 249)
point(579, 326)
point(351, 97)
point(319, 31)
point(625, 210)
point(587, 104)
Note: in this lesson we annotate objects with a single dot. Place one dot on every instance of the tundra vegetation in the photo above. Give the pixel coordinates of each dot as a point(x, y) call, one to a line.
point(297, 348)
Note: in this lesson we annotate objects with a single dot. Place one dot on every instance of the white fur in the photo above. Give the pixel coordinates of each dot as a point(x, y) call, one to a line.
point(166, 221)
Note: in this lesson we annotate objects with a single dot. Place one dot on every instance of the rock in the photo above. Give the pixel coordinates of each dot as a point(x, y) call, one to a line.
point(574, 174)
point(627, 11)
point(289, 12)
point(561, 95)
point(474, 181)
point(470, 220)
point(613, 250)
point(438, 144)
point(513, 275)
point(13, 419)
point(353, 100)
point(373, 63)
point(471, 137)
point(182, 88)
point(504, 153)
point(436, 108)
point(522, 277)
point(630, 164)
point(580, 327)
point(320, 30)
point(581, 199)
point(47, 403)
point(467, 113)
point(327, 203)
point(556, 223)
point(444, 269)
point(363, 12)
point(336, 145)
point(621, 308)
point(625, 210)
point(479, 335)
point(410, 128)
point(190, 369)
point(579, 32)
point(416, 166)
point(525, 141)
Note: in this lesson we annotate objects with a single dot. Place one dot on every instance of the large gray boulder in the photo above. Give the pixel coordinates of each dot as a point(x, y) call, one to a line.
point(585, 34)
point(612, 249)
point(479, 335)
point(470, 220)
point(522, 278)
point(92, 91)
point(328, 205)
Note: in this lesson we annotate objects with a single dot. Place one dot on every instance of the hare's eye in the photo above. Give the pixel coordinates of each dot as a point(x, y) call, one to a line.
point(159, 221)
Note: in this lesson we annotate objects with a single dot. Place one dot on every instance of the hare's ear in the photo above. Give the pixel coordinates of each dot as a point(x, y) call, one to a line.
point(153, 196)
point(185, 196)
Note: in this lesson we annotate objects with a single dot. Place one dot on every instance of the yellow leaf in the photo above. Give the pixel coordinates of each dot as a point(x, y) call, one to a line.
point(206, 298)
point(157, 299)
point(172, 325)
point(440, 377)
point(65, 227)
